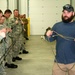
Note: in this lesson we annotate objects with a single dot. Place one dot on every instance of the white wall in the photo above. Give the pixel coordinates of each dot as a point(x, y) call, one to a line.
point(3, 5)
point(12, 4)
point(23, 6)
point(44, 13)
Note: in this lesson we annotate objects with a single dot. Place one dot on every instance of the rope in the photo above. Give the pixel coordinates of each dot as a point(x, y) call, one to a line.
point(57, 34)
point(6, 51)
point(66, 38)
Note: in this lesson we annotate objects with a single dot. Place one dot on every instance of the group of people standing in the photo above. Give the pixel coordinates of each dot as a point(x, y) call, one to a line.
point(13, 33)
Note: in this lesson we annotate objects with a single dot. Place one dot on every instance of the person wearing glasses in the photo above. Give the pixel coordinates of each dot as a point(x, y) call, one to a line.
point(64, 34)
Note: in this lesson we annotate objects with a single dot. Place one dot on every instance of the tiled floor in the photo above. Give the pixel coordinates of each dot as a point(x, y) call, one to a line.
point(39, 61)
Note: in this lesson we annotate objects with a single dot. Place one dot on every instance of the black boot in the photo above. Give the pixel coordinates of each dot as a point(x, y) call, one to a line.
point(16, 58)
point(25, 52)
point(27, 38)
point(13, 59)
point(11, 65)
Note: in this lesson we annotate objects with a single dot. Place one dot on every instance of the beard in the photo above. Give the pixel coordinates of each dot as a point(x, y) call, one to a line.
point(69, 19)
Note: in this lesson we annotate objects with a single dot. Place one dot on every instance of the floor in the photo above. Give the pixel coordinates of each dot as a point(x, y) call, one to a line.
point(39, 61)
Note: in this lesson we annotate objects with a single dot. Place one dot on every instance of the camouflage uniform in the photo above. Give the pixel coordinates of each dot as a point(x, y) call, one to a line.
point(8, 42)
point(16, 34)
point(25, 33)
point(2, 51)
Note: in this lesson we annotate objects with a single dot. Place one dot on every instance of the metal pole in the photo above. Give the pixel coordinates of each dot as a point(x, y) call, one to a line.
point(71, 2)
point(7, 4)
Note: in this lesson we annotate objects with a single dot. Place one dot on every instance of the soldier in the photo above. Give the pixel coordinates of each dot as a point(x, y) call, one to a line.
point(16, 33)
point(25, 26)
point(24, 33)
point(2, 45)
point(8, 63)
point(17, 28)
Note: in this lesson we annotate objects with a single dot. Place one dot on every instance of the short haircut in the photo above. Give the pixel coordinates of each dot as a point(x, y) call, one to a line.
point(1, 11)
point(8, 11)
point(15, 10)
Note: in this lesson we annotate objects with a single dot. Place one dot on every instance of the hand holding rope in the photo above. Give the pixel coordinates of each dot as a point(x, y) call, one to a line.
point(49, 32)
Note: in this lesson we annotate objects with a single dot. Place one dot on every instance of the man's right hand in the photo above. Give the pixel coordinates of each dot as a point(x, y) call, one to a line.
point(49, 33)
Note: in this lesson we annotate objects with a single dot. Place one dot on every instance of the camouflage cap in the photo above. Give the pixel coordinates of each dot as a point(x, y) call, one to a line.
point(68, 7)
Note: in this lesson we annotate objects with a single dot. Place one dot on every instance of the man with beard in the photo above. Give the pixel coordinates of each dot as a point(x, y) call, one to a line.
point(64, 34)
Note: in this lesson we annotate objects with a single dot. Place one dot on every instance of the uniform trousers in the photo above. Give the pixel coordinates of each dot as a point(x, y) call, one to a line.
point(8, 45)
point(2, 52)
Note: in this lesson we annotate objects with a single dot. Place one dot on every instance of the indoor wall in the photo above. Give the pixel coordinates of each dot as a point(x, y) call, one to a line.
point(42, 13)
point(3, 5)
